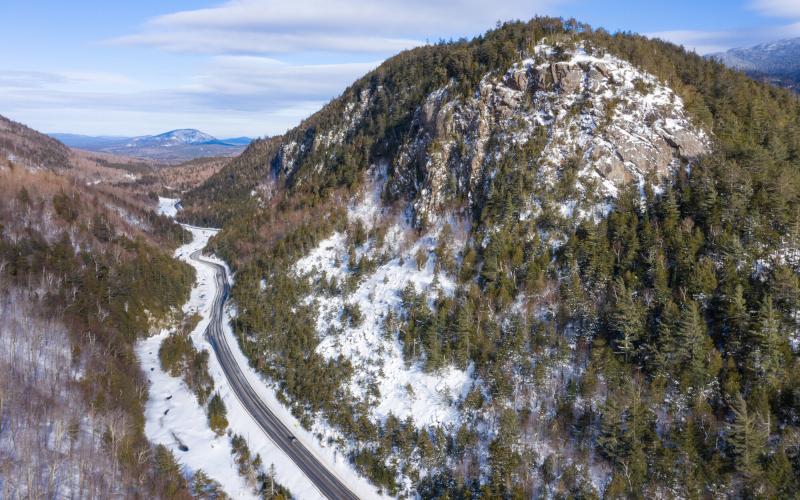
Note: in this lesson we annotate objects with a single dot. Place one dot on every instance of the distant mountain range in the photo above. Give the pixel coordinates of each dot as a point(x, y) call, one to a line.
point(777, 62)
point(175, 145)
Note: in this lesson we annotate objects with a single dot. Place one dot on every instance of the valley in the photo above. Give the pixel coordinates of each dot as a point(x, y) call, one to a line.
point(547, 261)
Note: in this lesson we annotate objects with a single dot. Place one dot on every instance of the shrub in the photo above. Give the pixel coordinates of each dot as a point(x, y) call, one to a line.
point(217, 414)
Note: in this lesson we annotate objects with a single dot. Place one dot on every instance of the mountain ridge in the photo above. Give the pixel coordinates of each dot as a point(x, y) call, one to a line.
point(777, 61)
point(178, 144)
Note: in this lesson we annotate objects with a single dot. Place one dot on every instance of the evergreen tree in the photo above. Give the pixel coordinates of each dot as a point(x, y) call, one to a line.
point(216, 414)
point(626, 319)
point(693, 346)
point(747, 436)
point(766, 341)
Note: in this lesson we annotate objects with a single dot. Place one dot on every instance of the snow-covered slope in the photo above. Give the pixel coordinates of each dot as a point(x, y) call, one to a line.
point(405, 391)
point(609, 123)
point(780, 56)
point(175, 419)
point(777, 62)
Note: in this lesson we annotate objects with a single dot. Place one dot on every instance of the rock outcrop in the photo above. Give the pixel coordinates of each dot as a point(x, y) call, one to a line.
point(620, 124)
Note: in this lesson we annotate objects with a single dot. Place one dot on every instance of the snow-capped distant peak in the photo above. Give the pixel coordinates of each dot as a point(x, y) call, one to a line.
point(174, 137)
point(779, 57)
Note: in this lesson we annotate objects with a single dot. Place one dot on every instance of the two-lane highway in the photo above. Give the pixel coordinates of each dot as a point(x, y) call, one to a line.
point(324, 479)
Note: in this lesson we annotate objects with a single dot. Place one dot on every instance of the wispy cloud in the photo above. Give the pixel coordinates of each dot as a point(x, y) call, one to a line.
point(231, 95)
point(708, 42)
point(221, 41)
point(252, 71)
point(702, 42)
point(273, 80)
point(778, 8)
point(280, 26)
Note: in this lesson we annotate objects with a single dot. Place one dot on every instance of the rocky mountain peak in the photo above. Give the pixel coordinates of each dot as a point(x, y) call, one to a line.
point(581, 111)
point(591, 111)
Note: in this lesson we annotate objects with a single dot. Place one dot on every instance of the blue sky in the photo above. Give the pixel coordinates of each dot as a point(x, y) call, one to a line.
point(257, 67)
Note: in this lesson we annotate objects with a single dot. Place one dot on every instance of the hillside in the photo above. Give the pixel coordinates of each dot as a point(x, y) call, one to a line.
point(85, 270)
point(548, 261)
point(21, 144)
point(777, 62)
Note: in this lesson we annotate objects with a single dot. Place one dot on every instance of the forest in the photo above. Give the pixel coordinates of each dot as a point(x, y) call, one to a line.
point(79, 283)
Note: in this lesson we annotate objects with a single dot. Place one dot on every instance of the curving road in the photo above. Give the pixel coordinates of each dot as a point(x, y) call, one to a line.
point(326, 481)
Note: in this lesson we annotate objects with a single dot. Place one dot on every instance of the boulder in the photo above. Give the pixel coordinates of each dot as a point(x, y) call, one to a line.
point(544, 79)
point(611, 167)
point(562, 75)
point(602, 69)
point(566, 76)
point(518, 80)
point(687, 144)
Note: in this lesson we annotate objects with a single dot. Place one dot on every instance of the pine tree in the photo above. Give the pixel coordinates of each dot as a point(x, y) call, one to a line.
point(612, 439)
point(626, 319)
point(766, 341)
point(660, 276)
point(737, 319)
point(747, 436)
point(693, 345)
point(462, 330)
point(216, 414)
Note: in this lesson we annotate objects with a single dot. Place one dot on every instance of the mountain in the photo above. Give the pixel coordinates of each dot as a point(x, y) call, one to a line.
point(89, 142)
point(777, 62)
point(545, 262)
point(239, 141)
point(173, 138)
point(175, 145)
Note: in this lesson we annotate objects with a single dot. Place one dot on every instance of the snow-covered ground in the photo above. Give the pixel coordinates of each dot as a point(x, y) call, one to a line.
point(180, 420)
point(376, 359)
point(168, 206)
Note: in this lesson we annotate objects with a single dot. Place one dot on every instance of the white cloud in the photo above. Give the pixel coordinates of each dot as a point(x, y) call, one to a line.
point(242, 75)
point(275, 26)
point(272, 63)
point(235, 41)
point(702, 42)
point(778, 8)
point(231, 95)
point(708, 42)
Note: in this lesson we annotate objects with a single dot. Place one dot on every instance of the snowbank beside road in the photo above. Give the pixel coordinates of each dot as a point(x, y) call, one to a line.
point(179, 420)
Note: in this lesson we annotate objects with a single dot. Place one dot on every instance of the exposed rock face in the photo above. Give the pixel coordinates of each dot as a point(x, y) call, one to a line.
point(621, 124)
point(689, 145)
point(561, 76)
point(617, 123)
point(518, 80)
